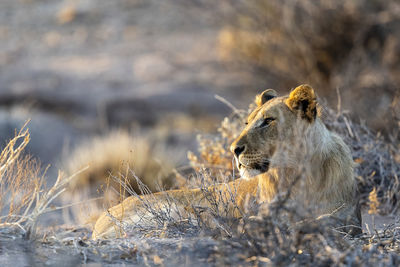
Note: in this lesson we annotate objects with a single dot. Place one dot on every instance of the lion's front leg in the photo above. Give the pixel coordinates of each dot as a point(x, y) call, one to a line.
point(147, 210)
point(109, 224)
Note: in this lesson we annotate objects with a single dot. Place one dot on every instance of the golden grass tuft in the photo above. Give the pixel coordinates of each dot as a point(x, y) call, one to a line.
point(109, 158)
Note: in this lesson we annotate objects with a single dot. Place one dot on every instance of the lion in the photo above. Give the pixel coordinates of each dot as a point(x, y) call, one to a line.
point(284, 139)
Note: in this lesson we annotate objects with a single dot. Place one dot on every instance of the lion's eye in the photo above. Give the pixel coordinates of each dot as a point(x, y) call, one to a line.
point(266, 122)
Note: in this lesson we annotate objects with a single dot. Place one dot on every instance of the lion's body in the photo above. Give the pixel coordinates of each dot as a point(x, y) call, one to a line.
point(284, 140)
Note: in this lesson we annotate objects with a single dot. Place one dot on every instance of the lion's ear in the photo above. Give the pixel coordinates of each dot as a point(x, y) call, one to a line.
point(265, 96)
point(302, 99)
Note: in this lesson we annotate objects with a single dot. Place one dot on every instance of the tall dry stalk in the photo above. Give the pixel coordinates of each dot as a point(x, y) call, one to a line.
point(23, 194)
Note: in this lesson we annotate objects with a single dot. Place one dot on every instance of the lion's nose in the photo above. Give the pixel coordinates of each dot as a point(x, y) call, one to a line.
point(238, 150)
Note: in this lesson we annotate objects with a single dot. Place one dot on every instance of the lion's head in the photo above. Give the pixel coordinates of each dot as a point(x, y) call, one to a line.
point(275, 122)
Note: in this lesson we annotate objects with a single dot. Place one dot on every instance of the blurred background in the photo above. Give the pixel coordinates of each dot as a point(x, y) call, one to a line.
point(84, 69)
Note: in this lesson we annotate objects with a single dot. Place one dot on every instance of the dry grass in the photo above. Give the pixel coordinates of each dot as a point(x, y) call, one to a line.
point(115, 154)
point(23, 193)
point(19, 180)
point(377, 161)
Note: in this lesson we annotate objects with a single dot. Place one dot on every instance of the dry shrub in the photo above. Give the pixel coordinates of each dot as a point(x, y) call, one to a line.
point(23, 194)
point(298, 41)
point(352, 45)
point(20, 179)
point(377, 161)
point(117, 154)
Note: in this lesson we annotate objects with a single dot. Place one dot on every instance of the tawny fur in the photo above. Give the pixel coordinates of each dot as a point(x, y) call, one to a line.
point(294, 143)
